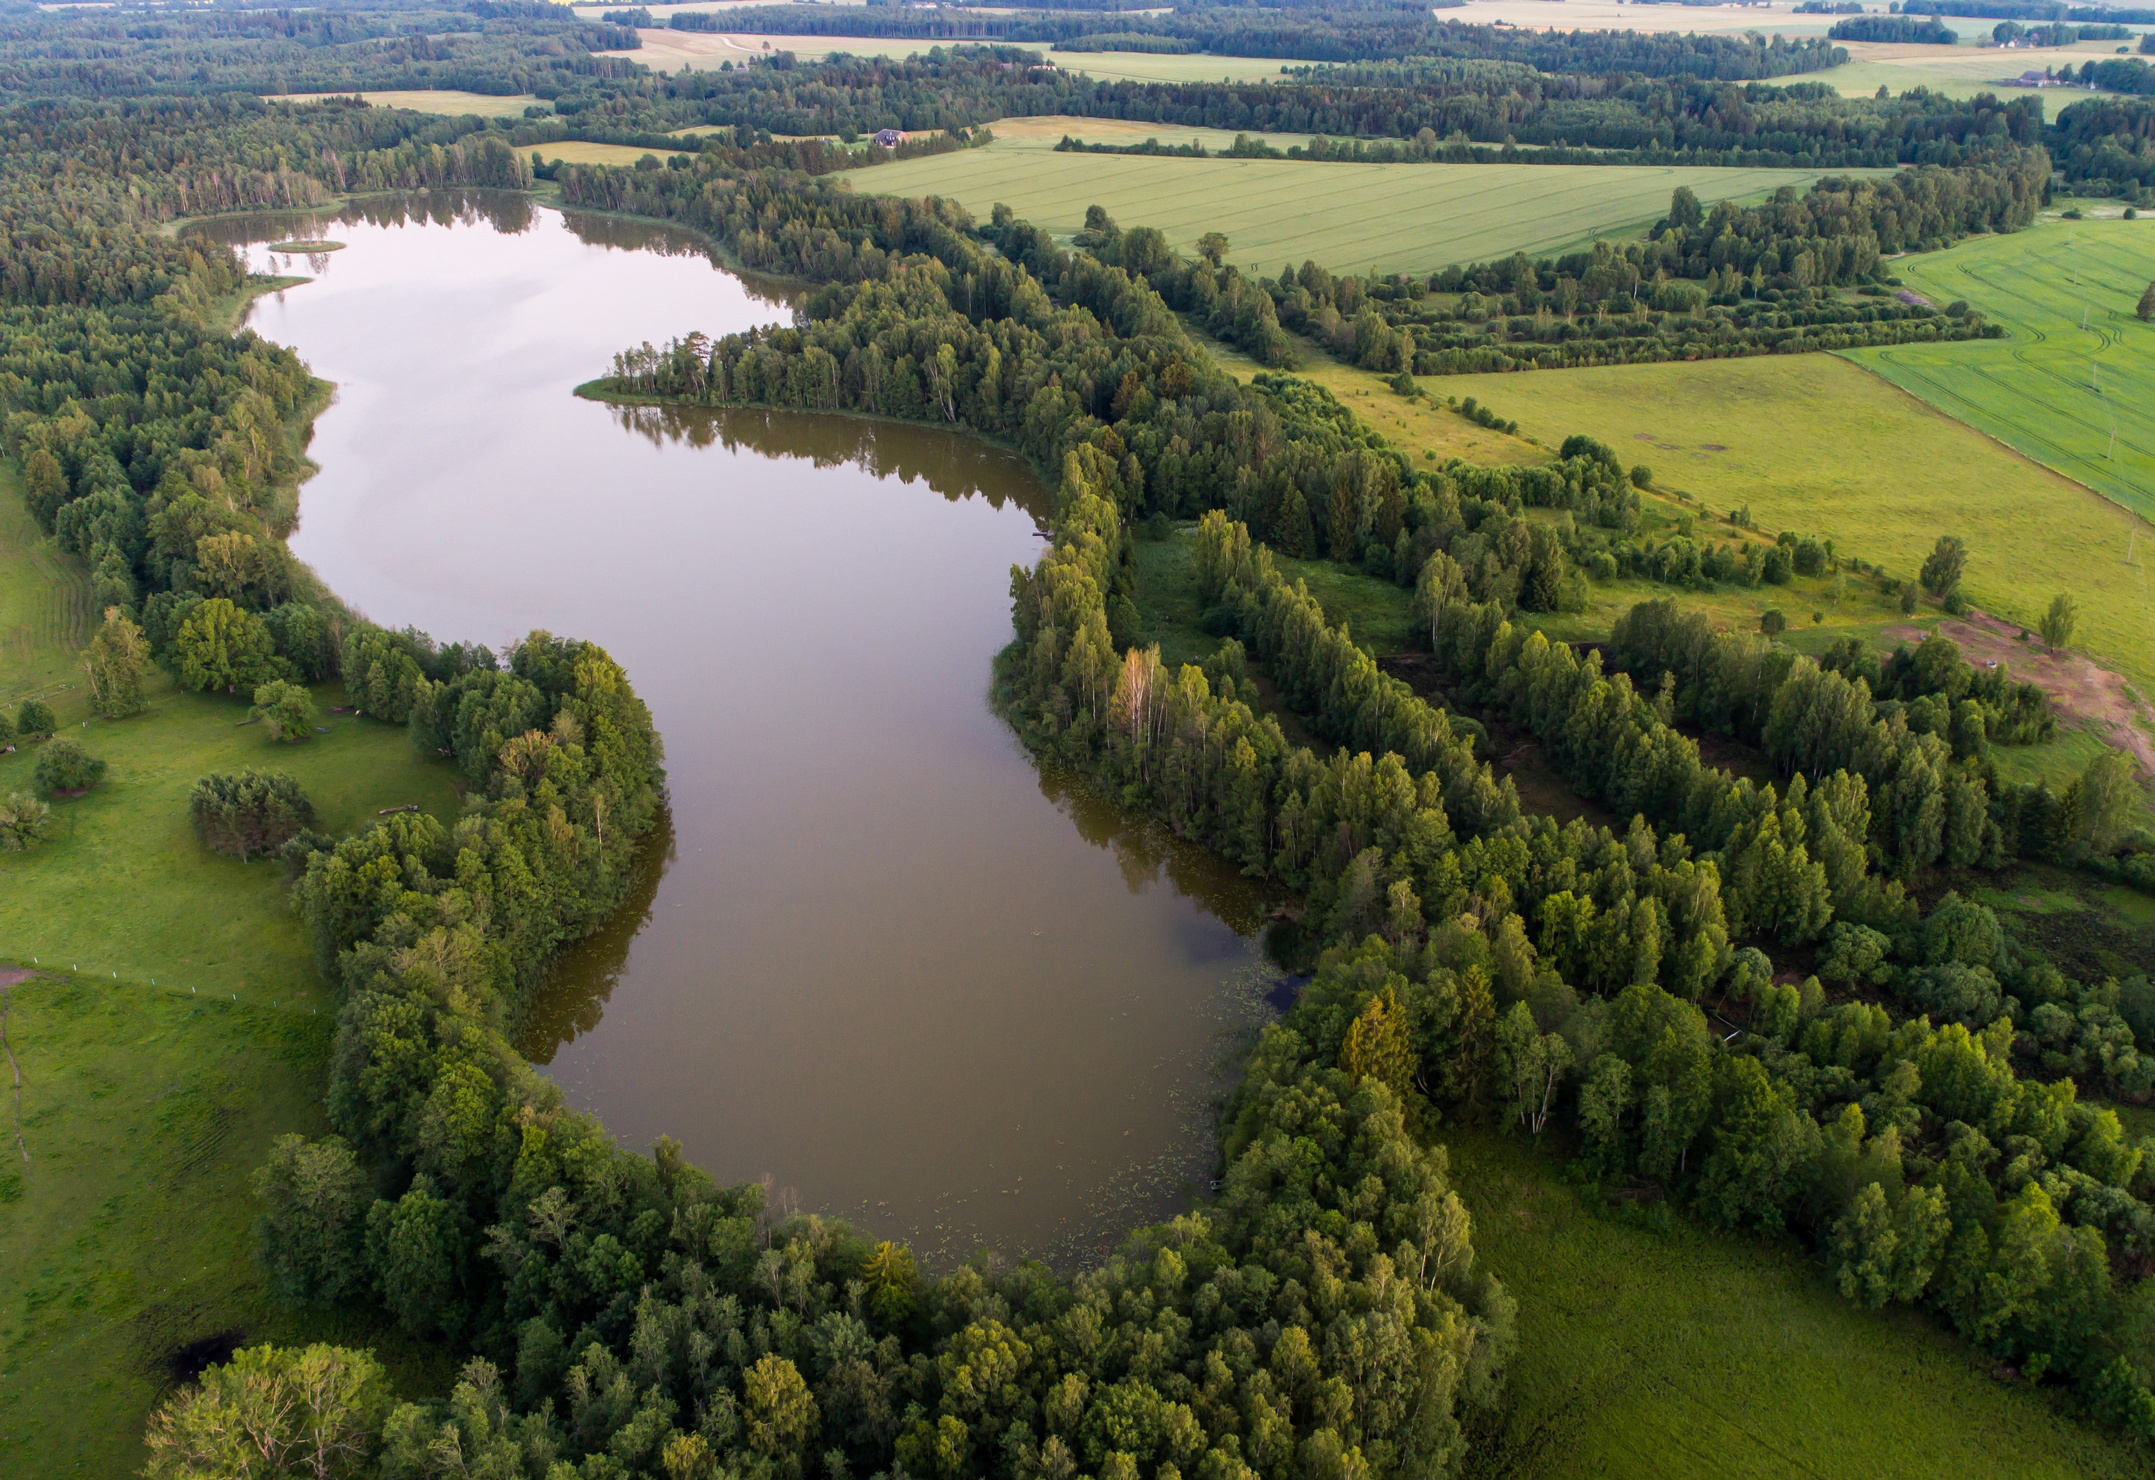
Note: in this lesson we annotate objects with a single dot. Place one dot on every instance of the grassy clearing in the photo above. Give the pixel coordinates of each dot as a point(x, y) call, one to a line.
point(443, 100)
point(1048, 129)
point(2055, 390)
point(146, 1105)
point(1682, 1353)
point(578, 151)
point(1406, 217)
point(1814, 443)
point(128, 1234)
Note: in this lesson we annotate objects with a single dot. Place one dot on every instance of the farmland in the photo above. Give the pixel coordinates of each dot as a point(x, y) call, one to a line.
point(1396, 217)
point(442, 100)
point(2079, 366)
point(1817, 444)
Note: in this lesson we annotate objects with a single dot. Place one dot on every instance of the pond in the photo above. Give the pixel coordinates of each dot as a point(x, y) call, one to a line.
point(879, 956)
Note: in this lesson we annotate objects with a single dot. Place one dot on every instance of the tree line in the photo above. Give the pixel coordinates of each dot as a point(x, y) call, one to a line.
point(487, 46)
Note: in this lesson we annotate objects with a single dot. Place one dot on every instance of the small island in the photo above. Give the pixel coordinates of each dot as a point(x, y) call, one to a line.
point(306, 248)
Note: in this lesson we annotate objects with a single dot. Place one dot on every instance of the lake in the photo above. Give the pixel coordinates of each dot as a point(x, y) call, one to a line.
point(878, 956)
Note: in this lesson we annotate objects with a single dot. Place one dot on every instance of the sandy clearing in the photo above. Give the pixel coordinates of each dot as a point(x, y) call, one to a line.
point(2079, 688)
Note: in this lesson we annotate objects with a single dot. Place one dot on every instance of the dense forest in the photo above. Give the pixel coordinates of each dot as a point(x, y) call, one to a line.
point(492, 46)
point(1331, 33)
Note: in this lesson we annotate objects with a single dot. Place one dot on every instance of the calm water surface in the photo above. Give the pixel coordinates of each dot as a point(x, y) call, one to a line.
point(880, 957)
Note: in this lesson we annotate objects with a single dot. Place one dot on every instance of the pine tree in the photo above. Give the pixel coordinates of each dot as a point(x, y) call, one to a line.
point(2147, 303)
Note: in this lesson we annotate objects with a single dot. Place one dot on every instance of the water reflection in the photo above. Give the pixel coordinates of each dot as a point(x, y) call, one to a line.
point(954, 466)
point(879, 955)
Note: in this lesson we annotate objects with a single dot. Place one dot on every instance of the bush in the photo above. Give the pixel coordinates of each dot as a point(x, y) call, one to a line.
point(24, 822)
point(249, 814)
point(286, 710)
point(1772, 623)
point(1642, 476)
point(65, 766)
point(33, 719)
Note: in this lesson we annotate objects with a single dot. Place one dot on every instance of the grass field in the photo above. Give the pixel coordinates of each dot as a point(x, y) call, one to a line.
point(1819, 445)
point(147, 1105)
point(129, 1232)
point(2055, 390)
point(444, 100)
point(1962, 71)
point(577, 151)
point(1405, 217)
point(1682, 1354)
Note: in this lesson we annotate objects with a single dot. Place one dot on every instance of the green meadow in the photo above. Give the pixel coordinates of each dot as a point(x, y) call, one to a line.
point(2074, 385)
point(1677, 1353)
point(1394, 217)
point(175, 1027)
point(1819, 445)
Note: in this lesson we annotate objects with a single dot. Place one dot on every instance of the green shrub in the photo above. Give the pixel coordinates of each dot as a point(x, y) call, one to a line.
point(33, 719)
point(24, 822)
point(64, 765)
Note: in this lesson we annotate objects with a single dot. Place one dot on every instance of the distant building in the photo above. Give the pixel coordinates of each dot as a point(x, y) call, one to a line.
point(888, 138)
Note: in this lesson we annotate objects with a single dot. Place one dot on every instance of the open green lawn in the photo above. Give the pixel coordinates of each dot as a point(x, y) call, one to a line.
point(147, 1106)
point(128, 1233)
point(1405, 217)
point(1817, 444)
point(1681, 1353)
point(2079, 368)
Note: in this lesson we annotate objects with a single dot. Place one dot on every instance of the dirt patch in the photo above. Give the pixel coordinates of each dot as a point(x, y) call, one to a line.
point(1712, 447)
point(14, 976)
point(2078, 687)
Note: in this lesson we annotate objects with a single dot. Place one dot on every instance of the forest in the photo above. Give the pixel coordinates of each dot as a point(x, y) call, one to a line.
point(1909, 1106)
point(1327, 33)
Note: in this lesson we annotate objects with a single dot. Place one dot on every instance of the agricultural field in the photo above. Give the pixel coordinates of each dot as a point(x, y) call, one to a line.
point(446, 101)
point(1673, 1352)
point(1817, 444)
point(1394, 217)
point(1962, 71)
point(580, 151)
point(2074, 385)
point(183, 1027)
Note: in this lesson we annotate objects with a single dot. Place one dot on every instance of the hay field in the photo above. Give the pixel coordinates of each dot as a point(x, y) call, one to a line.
point(443, 100)
point(2055, 390)
point(1403, 217)
point(1817, 444)
point(578, 151)
point(1962, 71)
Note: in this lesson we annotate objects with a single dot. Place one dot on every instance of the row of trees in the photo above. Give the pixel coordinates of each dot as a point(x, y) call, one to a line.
point(1706, 284)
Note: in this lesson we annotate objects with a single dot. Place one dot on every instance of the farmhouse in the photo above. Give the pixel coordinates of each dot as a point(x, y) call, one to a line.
point(889, 138)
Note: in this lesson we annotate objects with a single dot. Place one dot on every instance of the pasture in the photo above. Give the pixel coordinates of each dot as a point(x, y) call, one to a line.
point(444, 100)
point(1394, 217)
point(2079, 369)
point(145, 1103)
point(1817, 444)
point(1675, 1352)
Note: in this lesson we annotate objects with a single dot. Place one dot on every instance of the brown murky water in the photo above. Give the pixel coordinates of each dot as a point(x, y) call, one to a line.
point(879, 956)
